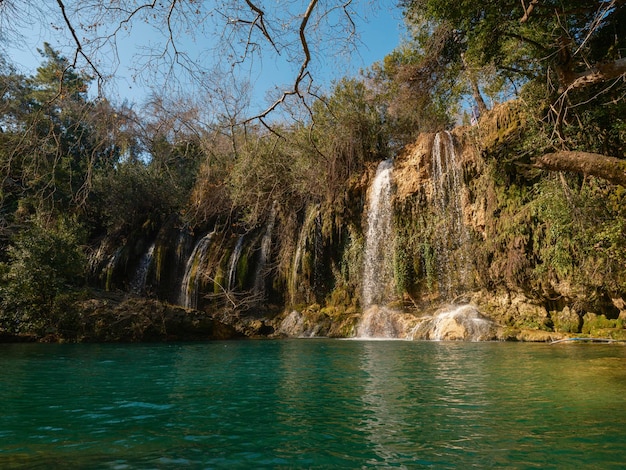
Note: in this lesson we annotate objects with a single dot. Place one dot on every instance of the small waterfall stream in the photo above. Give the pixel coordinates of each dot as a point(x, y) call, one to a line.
point(457, 323)
point(110, 268)
point(189, 287)
point(303, 238)
point(232, 263)
point(138, 282)
point(266, 248)
point(452, 238)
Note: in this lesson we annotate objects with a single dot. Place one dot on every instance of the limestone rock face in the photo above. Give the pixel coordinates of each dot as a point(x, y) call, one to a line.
point(299, 325)
point(413, 168)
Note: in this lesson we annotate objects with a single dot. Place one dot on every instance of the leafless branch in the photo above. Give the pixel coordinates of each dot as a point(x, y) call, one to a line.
point(303, 72)
point(79, 46)
point(259, 22)
point(528, 10)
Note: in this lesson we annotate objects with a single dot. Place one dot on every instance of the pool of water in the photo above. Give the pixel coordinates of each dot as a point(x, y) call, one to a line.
point(313, 404)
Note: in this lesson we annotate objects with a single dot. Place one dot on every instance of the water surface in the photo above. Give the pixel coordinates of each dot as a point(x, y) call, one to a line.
point(313, 404)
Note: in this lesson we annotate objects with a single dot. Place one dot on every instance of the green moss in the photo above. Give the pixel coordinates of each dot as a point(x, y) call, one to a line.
point(218, 281)
point(600, 325)
point(242, 270)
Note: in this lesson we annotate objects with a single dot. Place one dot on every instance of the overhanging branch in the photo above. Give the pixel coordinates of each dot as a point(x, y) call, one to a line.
point(79, 46)
point(303, 72)
point(608, 168)
point(598, 74)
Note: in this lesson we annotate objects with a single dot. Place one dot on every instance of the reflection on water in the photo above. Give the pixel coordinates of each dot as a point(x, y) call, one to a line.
point(312, 404)
point(388, 406)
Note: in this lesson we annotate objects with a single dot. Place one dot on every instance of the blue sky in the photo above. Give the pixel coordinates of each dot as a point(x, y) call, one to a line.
point(379, 26)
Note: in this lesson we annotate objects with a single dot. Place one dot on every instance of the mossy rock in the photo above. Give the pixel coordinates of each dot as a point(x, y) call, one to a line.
point(534, 317)
point(599, 326)
point(538, 336)
point(566, 321)
point(344, 329)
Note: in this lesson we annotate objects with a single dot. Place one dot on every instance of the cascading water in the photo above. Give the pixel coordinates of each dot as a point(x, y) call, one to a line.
point(266, 248)
point(452, 235)
point(296, 269)
point(460, 323)
point(378, 280)
point(378, 272)
point(232, 263)
point(189, 288)
point(138, 283)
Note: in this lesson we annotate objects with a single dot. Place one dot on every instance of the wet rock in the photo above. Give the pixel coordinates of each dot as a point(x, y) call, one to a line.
point(461, 323)
point(302, 325)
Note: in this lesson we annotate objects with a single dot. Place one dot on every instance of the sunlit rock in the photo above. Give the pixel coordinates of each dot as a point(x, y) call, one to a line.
point(462, 323)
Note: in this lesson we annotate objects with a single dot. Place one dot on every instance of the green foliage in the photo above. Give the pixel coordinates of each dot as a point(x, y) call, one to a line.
point(54, 139)
point(45, 265)
point(133, 197)
point(600, 325)
point(311, 162)
point(557, 236)
point(351, 267)
point(348, 129)
point(267, 169)
point(505, 50)
point(415, 258)
point(420, 94)
point(347, 274)
point(579, 236)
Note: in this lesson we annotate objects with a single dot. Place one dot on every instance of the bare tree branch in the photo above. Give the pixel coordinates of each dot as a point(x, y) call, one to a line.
point(79, 46)
point(302, 74)
point(528, 10)
point(259, 22)
point(597, 74)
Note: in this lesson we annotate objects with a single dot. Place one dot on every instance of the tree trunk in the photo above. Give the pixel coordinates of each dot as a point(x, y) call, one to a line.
point(611, 169)
point(480, 102)
point(597, 74)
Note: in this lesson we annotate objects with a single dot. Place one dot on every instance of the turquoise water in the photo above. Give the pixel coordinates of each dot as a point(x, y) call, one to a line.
point(313, 404)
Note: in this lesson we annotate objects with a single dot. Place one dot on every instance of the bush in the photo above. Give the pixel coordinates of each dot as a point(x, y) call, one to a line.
point(45, 265)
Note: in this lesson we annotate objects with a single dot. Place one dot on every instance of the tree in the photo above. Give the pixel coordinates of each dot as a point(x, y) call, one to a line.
point(238, 34)
point(420, 90)
point(347, 130)
point(566, 56)
point(578, 41)
point(45, 264)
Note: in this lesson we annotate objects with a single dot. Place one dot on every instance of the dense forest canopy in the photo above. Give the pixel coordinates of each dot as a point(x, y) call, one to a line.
point(77, 168)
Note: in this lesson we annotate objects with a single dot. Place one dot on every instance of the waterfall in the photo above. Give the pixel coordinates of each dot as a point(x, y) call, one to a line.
point(266, 248)
point(378, 280)
point(232, 263)
point(295, 282)
point(378, 321)
point(138, 282)
point(451, 234)
point(189, 288)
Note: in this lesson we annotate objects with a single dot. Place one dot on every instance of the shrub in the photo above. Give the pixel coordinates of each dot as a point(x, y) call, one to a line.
point(45, 265)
